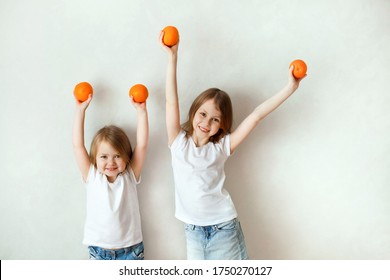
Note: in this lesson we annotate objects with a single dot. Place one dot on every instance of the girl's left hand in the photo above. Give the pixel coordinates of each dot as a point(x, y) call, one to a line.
point(292, 81)
point(84, 105)
point(137, 105)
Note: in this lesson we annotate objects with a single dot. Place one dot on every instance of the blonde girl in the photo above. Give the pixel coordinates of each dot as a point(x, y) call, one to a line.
point(111, 173)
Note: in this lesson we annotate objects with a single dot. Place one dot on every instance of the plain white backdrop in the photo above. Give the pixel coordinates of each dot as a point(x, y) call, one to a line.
point(311, 182)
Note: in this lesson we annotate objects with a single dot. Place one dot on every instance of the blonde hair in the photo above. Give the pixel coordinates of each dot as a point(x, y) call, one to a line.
point(116, 137)
point(222, 102)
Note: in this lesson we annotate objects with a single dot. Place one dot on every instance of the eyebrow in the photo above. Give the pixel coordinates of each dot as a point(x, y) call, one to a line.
point(104, 154)
point(216, 116)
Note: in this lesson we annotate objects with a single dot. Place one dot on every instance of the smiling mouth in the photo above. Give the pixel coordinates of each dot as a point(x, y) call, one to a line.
point(111, 169)
point(204, 129)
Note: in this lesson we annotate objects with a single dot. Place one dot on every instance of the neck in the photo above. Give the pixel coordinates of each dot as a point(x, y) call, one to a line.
point(199, 142)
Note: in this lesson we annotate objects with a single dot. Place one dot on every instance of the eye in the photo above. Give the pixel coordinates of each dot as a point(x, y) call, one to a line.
point(103, 157)
point(117, 156)
point(216, 120)
point(202, 114)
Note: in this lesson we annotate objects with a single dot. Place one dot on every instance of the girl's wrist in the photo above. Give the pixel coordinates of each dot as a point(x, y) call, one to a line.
point(173, 56)
point(141, 110)
point(80, 110)
point(292, 86)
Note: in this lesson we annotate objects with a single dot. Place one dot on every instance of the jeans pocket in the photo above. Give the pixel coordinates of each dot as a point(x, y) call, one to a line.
point(138, 251)
point(229, 225)
point(189, 227)
point(93, 255)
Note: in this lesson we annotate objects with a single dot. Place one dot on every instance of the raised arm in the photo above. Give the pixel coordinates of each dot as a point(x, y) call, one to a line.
point(80, 152)
point(139, 154)
point(172, 99)
point(261, 111)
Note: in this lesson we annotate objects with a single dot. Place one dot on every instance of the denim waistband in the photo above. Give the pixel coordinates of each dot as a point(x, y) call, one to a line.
point(211, 227)
point(116, 252)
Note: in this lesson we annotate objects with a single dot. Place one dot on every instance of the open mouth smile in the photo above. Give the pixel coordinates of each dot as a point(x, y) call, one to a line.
point(205, 130)
point(111, 169)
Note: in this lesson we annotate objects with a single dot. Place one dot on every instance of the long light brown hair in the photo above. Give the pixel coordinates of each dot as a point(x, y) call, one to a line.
point(116, 137)
point(223, 104)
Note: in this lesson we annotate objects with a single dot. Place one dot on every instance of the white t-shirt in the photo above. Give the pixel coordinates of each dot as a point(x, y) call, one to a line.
point(199, 176)
point(113, 218)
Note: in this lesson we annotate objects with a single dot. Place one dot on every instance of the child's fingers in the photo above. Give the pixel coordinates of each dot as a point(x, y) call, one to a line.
point(302, 78)
point(160, 38)
point(290, 72)
point(137, 105)
point(88, 100)
point(167, 48)
point(132, 99)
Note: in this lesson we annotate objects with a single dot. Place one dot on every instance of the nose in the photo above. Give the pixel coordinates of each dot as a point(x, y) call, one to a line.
point(208, 122)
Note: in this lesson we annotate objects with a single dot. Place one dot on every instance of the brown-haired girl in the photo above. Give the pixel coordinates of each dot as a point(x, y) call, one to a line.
point(111, 173)
point(199, 149)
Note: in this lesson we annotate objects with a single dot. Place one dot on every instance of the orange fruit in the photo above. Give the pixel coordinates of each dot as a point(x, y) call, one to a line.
point(139, 93)
point(300, 68)
point(171, 36)
point(82, 91)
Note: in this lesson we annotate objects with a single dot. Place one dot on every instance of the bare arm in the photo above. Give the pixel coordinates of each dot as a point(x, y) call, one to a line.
point(80, 152)
point(172, 99)
point(139, 154)
point(261, 111)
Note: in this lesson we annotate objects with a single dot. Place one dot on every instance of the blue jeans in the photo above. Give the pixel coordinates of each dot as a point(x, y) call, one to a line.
point(135, 252)
point(224, 241)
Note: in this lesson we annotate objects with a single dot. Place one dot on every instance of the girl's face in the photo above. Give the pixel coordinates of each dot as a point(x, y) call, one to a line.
point(109, 162)
point(206, 122)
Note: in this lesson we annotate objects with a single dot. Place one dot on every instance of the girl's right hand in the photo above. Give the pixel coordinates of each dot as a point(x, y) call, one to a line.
point(84, 105)
point(171, 50)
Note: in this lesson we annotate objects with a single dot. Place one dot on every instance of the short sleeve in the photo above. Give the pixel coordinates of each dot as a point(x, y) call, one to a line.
point(91, 174)
point(225, 141)
point(178, 140)
point(132, 176)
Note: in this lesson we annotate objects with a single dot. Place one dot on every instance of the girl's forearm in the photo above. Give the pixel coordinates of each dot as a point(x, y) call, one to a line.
point(172, 113)
point(78, 129)
point(171, 80)
point(273, 102)
point(142, 128)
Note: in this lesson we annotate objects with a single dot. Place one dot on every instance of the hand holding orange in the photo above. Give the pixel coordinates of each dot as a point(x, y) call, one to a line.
point(139, 93)
point(82, 91)
point(171, 36)
point(300, 68)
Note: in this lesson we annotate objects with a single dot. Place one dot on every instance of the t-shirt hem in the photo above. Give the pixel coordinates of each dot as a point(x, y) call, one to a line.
point(206, 223)
point(116, 246)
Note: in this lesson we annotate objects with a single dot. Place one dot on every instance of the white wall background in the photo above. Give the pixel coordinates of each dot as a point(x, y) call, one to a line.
point(311, 182)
